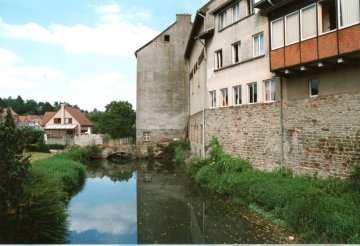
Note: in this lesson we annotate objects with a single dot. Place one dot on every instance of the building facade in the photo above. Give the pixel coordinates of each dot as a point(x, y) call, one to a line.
point(276, 82)
point(162, 107)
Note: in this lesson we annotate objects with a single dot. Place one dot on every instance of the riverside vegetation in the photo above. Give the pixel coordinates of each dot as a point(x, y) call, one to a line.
point(34, 196)
point(316, 210)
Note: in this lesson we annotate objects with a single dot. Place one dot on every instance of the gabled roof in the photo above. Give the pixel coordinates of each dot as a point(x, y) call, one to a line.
point(80, 117)
point(47, 117)
point(75, 113)
point(142, 47)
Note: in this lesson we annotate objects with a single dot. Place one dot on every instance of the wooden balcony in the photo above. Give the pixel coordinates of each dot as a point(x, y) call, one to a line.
point(335, 44)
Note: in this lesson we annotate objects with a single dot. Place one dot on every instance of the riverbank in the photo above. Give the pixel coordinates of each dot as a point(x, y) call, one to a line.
point(317, 211)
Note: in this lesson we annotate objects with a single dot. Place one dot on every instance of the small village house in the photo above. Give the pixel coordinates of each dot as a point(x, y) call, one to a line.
point(66, 123)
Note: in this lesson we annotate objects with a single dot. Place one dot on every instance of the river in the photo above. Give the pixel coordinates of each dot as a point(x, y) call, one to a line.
point(146, 203)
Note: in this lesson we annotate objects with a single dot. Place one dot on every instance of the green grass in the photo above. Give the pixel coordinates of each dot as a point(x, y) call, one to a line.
point(318, 211)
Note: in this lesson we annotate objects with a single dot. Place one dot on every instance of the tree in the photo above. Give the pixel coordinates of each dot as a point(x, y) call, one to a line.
point(13, 173)
point(118, 119)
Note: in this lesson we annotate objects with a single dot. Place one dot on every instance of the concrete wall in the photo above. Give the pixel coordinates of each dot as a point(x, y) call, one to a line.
point(162, 87)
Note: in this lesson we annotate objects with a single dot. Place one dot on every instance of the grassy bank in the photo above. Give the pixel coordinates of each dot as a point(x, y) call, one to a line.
point(50, 184)
point(318, 211)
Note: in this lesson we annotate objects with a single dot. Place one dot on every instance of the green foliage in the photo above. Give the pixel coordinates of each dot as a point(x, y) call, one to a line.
point(82, 155)
point(33, 139)
point(354, 181)
point(69, 173)
point(193, 164)
point(175, 150)
point(319, 211)
point(56, 146)
point(118, 120)
point(150, 153)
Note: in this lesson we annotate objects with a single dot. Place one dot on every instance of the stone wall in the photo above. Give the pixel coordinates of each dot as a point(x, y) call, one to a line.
point(160, 135)
point(250, 131)
point(321, 136)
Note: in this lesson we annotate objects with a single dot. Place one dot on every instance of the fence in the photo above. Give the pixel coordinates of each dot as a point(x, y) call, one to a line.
point(128, 140)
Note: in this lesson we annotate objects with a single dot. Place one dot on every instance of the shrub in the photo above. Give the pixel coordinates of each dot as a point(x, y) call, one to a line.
point(317, 210)
point(56, 146)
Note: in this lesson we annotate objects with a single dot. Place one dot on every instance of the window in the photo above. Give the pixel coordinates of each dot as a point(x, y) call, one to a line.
point(236, 52)
point(218, 59)
point(292, 28)
point(327, 16)
point(308, 22)
point(222, 20)
point(252, 92)
point(237, 95)
point(224, 97)
point(277, 33)
point(213, 99)
point(270, 88)
point(57, 120)
point(314, 87)
point(68, 120)
point(166, 38)
point(250, 6)
point(348, 12)
point(258, 43)
point(236, 12)
point(146, 136)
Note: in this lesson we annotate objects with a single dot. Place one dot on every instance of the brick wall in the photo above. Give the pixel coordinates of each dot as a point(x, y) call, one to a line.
point(277, 58)
point(349, 39)
point(328, 45)
point(309, 50)
point(292, 54)
point(321, 135)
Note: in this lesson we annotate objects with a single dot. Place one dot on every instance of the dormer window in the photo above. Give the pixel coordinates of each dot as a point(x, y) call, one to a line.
point(57, 120)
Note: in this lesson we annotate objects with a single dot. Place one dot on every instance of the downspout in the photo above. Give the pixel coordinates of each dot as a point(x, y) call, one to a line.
point(281, 123)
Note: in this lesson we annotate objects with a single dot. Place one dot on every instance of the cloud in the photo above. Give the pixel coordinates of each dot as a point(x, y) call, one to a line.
point(15, 76)
point(118, 33)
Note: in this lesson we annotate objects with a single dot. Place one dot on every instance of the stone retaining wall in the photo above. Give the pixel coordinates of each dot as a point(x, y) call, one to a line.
point(321, 136)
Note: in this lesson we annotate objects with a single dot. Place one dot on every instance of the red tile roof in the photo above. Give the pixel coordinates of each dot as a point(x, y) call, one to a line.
point(76, 113)
point(80, 117)
point(47, 117)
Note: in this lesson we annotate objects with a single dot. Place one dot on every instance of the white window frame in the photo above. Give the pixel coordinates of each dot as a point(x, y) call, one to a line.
point(235, 46)
point(310, 88)
point(236, 12)
point(301, 17)
point(146, 136)
point(339, 18)
point(282, 36)
point(250, 7)
point(218, 59)
point(237, 89)
point(222, 20)
point(320, 22)
point(261, 41)
point(213, 99)
point(298, 26)
point(224, 97)
point(272, 88)
point(254, 94)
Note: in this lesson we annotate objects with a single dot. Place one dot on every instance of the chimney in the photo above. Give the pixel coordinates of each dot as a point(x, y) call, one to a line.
point(62, 112)
point(183, 18)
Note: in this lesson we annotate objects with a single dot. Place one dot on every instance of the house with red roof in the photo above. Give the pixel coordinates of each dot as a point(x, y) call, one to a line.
point(66, 123)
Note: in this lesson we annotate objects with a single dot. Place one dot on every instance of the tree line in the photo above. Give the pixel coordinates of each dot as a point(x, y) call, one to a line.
point(118, 119)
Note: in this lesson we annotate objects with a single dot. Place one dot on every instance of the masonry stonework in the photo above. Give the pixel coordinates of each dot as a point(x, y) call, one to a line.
point(321, 136)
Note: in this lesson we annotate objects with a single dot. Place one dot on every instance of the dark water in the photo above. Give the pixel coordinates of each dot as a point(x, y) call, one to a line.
point(156, 203)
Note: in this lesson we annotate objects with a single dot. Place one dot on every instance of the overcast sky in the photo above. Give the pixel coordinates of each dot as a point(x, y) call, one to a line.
point(79, 51)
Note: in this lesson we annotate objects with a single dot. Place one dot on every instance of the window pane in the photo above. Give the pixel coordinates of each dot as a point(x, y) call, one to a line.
point(277, 33)
point(308, 22)
point(314, 87)
point(292, 28)
point(349, 12)
point(255, 92)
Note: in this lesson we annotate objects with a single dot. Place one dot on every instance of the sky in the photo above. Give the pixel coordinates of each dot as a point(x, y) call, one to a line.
point(79, 51)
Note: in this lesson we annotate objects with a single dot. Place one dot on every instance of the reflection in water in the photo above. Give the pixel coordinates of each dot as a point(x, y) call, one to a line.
point(158, 204)
point(104, 212)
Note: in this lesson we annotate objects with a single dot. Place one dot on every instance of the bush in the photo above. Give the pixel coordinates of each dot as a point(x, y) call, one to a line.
point(317, 210)
point(56, 146)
